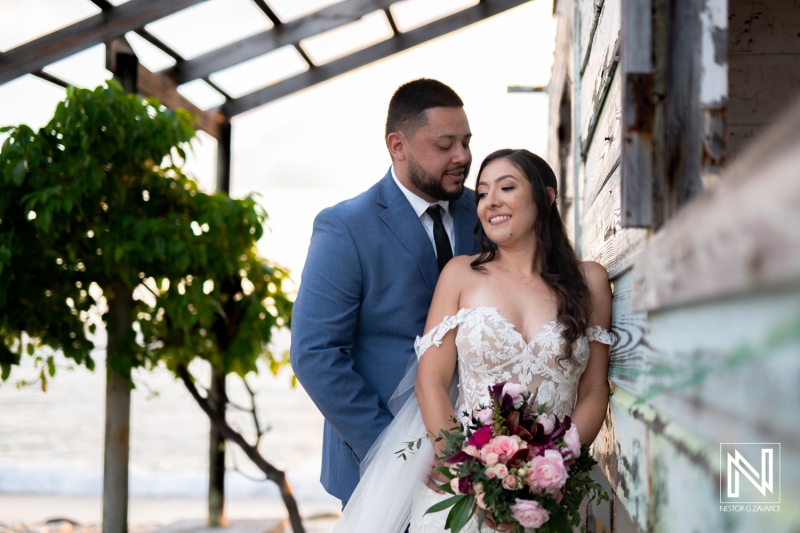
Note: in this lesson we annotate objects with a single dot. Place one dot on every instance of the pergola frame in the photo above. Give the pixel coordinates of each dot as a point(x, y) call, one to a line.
point(111, 25)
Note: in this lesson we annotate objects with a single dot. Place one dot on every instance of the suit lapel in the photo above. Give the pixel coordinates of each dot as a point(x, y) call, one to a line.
point(401, 219)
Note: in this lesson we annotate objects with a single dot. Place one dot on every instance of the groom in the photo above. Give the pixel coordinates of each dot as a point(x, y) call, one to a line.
point(371, 270)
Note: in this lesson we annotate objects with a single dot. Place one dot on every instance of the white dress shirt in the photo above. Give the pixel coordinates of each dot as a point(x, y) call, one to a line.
point(420, 205)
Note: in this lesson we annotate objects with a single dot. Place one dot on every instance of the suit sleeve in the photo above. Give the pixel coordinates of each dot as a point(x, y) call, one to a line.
point(324, 325)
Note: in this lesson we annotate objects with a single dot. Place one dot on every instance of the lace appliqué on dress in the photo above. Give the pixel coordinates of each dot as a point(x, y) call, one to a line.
point(491, 350)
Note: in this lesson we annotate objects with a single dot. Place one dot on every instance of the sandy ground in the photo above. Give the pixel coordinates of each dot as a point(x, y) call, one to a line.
point(30, 513)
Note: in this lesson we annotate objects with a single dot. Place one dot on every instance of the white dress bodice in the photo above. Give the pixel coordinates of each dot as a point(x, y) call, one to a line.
point(491, 350)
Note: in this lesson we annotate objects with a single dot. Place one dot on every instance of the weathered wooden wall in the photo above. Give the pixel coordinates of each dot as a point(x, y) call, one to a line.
point(707, 307)
point(764, 66)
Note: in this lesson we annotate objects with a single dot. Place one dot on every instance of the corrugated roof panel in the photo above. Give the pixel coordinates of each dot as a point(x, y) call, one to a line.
point(152, 57)
point(24, 21)
point(288, 10)
point(209, 25)
point(84, 69)
point(201, 94)
point(261, 71)
point(411, 14)
point(339, 42)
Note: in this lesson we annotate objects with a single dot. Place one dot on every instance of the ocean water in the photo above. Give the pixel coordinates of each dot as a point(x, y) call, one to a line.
point(52, 442)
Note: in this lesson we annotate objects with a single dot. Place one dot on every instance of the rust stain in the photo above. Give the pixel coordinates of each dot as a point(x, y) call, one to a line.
point(638, 91)
point(715, 143)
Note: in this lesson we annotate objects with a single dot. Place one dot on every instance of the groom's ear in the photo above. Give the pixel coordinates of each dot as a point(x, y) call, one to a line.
point(395, 143)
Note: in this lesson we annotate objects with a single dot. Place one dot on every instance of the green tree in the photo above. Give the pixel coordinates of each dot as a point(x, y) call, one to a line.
point(96, 197)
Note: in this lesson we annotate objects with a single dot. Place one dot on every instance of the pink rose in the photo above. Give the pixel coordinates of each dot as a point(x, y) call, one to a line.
point(548, 472)
point(515, 391)
point(490, 458)
point(499, 471)
point(485, 416)
point(454, 485)
point(573, 441)
point(529, 514)
point(546, 423)
point(510, 482)
point(472, 450)
point(501, 445)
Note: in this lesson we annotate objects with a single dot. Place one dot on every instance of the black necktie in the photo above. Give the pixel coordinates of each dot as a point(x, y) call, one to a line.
point(444, 252)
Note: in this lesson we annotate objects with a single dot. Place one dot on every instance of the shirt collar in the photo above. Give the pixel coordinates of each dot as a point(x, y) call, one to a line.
point(418, 204)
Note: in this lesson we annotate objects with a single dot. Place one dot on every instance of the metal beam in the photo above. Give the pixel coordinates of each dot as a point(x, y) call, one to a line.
point(34, 56)
point(369, 55)
point(289, 33)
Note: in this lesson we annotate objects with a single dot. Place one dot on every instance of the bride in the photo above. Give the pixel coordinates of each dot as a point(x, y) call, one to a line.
point(523, 310)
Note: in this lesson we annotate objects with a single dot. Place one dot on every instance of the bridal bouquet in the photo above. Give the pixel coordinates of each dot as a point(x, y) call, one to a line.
point(517, 465)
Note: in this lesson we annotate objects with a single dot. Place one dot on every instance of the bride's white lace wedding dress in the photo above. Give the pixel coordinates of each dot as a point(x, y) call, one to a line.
point(392, 490)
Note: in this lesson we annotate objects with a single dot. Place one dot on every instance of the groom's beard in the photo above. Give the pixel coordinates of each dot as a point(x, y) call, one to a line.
point(431, 184)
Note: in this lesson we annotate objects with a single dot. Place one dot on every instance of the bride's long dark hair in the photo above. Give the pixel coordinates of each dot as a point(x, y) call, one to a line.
point(554, 253)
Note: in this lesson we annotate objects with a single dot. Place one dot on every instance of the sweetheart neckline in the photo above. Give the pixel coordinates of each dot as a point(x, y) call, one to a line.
point(542, 330)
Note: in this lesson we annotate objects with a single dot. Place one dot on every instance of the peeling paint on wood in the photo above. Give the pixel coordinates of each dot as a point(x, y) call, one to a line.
point(749, 238)
point(713, 53)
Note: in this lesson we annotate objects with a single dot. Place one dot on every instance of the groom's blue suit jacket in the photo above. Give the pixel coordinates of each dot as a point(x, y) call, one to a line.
point(363, 298)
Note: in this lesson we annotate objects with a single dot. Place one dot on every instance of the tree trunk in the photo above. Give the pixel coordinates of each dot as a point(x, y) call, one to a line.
point(118, 411)
point(273, 474)
point(216, 455)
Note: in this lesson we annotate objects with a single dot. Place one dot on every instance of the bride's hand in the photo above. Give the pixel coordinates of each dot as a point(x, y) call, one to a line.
point(436, 478)
point(497, 527)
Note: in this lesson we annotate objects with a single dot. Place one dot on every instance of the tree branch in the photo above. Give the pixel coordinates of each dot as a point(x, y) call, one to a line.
point(273, 474)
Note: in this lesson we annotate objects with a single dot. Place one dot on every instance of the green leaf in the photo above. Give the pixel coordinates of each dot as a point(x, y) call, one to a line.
point(444, 504)
point(29, 348)
point(18, 176)
point(460, 514)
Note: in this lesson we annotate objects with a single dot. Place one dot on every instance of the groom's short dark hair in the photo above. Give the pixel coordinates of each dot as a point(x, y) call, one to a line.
point(410, 100)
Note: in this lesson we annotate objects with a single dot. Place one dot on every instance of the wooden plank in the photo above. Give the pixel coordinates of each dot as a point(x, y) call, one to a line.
point(560, 153)
point(631, 353)
point(660, 447)
point(604, 239)
point(163, 89)
point(638, 113)
point(368, 55)
point(589, 13)
point(604, 152)
point(100, 28)
point(596, 78)
point(289, 33)
point(622, 452)
point(740, 236)
point(713, 89)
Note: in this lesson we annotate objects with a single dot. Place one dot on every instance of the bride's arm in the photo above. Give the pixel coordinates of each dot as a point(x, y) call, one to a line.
point(590, 409)
point(437, 364)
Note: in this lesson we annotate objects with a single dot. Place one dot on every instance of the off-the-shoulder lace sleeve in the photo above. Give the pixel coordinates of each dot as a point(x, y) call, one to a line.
point(597, 333)
point(434, 336)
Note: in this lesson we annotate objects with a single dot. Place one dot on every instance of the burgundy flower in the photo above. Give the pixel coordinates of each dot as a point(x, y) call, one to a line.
point(480, 437)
